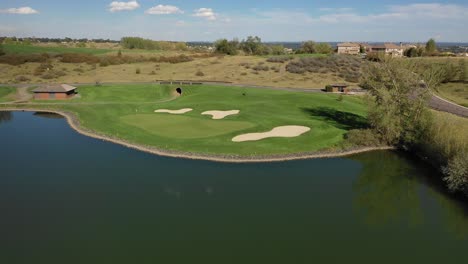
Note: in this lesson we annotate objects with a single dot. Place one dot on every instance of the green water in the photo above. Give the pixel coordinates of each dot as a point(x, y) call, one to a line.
point(66, 198)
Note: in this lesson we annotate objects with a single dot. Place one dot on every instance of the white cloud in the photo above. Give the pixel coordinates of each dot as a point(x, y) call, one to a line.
point(20, 11)
point(206, 13)
point(123, 6)
point(164, 10)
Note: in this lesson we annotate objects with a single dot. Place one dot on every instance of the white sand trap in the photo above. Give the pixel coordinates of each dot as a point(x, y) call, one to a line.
point(221, 114)
point(174, 112)
point(282, 131)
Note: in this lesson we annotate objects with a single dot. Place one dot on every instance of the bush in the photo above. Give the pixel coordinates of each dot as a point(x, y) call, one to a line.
point(199, 73)
point(363, 138)
point(18, 59)
point(456, 172)
point(79, 58)
point(347, 67)
point(280, 59)
point(261, 68)
point(22, 78)
point(137, 71)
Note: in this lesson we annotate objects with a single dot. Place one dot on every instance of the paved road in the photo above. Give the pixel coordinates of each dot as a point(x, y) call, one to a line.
point(440, 104)
point(436, 102)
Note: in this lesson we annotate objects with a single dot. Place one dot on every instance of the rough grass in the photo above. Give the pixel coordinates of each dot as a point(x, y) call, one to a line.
point(227, 69)
point(111, 111)
point(6, 93)
point(31, 49)
point(456, 92)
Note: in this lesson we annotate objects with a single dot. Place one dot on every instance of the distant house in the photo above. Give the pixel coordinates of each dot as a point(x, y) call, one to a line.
point(54, 91)
point(337, 88)
point(389, 49)
point(349, 48)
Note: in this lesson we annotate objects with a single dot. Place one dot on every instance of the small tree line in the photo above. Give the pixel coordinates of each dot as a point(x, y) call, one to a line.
point(253, 45)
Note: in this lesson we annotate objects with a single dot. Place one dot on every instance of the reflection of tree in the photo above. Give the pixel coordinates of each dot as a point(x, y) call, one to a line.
point(454, 212)
point(386, 189)
point(5, 116)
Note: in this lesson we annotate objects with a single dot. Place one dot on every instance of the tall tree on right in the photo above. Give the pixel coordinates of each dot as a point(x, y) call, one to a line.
point(431, 46)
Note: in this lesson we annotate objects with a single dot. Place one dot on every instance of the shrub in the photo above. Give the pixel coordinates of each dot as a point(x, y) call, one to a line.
point(280, 59)
point(18, 59)
point(243, 74)
point(199, 73)
point(261, 68)
point(137, 71)
point(79, 58)
point(22, 78)
point(363, 138)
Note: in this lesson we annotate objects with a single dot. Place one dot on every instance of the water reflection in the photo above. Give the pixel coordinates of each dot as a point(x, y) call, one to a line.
point(5, 116)
point(48, 115)
point(386, 190)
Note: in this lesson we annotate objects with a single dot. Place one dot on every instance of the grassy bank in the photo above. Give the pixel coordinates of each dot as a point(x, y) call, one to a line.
point(127, 112)
point(456, 92)
point(7, 93)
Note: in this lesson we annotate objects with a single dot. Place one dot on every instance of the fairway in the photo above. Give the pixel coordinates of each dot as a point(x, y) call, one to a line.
point(182, 127)
point(126, 112)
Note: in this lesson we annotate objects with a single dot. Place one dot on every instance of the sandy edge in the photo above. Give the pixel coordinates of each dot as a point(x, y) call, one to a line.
point(276, 132)
point(218, 114)
point(75, 125)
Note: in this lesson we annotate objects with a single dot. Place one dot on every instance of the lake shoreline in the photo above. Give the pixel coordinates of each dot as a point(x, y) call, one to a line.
point(74, 123)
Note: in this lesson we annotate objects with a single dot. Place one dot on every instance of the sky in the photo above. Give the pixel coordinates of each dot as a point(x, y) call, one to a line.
point(208, 20)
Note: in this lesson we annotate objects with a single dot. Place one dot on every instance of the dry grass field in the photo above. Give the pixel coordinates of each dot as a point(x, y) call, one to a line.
point(253, 70)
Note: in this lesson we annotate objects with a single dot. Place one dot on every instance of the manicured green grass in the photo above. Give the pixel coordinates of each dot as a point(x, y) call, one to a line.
point(127, 112)
point(30, 49)
point(172, 126)
point(6, 93)
point(455, 92)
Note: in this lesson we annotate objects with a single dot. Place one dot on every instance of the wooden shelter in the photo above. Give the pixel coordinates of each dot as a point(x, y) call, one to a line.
point(54, 91)
point(337, 88)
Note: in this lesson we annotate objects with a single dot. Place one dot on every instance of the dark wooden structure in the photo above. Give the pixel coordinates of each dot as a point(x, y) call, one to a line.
point(337, 88)
point(54, 91)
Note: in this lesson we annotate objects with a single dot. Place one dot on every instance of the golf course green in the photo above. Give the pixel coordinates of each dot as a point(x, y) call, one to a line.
point(127, 112)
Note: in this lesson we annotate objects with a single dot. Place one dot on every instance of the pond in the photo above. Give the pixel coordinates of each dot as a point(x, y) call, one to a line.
point(67, 198)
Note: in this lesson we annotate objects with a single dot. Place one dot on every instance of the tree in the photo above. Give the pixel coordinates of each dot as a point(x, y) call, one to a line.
point(308, 47)
point(398, 110)
point(431, 47)
point(323, 48)
point(227, 47)
point(277, 49)
point(253, 45)
point(462, 70)
point(411, 52)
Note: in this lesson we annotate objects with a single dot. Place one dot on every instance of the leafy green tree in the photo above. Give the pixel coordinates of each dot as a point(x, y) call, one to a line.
point(224, 46)
point(399, 112)
point(308, 47)
point(411, 52)
point(277, 49)
point(323, 48)
point(462, 70)
point(431, 47)
point(253, 46)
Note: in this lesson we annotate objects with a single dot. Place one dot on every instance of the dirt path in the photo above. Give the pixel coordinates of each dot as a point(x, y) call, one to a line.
point(22, 94)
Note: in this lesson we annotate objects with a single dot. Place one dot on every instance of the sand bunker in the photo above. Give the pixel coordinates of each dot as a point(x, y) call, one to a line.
point(221, 114)
point(174, 112)
point(282, 131)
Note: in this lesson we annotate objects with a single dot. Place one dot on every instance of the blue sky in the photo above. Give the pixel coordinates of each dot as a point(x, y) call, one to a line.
point(274, 20)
